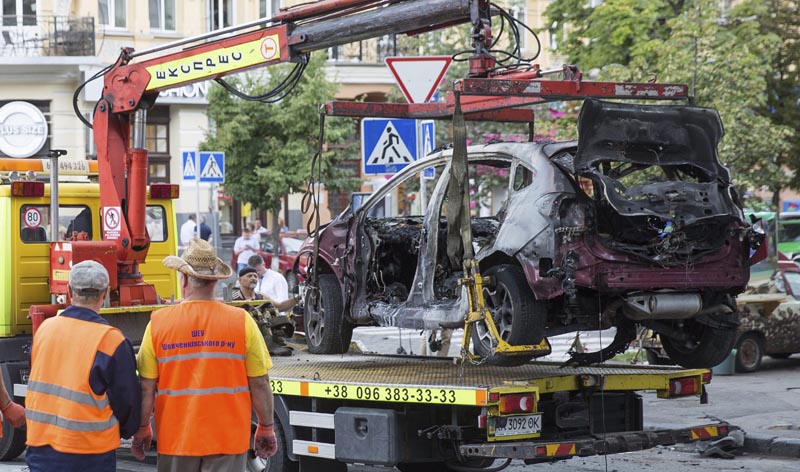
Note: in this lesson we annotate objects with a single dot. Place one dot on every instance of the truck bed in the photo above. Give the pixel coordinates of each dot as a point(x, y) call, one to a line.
point(419, 379)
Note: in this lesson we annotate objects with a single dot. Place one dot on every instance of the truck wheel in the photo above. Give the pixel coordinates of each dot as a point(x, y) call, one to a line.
point(749, 352)
point(12, 443)
point(705, 348)
point(327, 332)
point(280, 462)
point(519, 317)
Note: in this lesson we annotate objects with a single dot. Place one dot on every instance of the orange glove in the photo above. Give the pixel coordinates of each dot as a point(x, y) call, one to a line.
point(265, 443)
point(14, 413)
point(141, 441)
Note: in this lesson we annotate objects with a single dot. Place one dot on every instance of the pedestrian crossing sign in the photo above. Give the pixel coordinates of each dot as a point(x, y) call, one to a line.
point(189, 164)
point(388, 145)
point(212, 167)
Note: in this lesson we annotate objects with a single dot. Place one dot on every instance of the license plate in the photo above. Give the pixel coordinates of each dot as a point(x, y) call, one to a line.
point(517, 425)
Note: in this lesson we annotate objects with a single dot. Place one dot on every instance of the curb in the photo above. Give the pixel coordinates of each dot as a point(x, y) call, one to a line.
point(754, 443)
point(772, 445)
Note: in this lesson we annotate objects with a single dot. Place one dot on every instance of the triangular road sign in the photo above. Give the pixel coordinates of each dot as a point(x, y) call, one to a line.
point(390, 149)
point(418, 77)
point(211, 169)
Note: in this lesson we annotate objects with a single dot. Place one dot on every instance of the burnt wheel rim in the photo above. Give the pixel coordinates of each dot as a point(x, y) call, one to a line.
point(315, 319)
point(498, 302)
point(748, 353)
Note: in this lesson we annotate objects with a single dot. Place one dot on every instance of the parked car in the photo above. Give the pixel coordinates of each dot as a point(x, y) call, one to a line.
point(636, 222)
point(288, 250)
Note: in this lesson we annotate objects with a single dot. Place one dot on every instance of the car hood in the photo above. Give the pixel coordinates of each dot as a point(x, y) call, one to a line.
point(649, 134)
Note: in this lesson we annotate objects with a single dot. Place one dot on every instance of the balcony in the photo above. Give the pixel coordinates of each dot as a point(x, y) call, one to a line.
point(31, 36)
point(369, 52)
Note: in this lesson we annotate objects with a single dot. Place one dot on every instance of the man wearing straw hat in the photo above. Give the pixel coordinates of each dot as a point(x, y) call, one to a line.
point(210, 365)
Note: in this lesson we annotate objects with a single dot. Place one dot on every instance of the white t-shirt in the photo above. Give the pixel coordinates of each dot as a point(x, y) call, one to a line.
point(241, 243)
point(188, 232)
point(273, 285)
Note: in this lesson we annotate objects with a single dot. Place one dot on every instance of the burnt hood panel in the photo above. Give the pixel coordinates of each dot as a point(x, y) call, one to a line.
point(649, 134)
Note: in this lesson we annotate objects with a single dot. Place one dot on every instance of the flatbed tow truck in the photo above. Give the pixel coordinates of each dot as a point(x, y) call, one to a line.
point(410, 412)
point(423, 413)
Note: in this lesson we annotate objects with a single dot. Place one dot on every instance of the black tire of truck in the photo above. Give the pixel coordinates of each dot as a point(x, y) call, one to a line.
point(280, 462)
point(749, 353)
point(327, 332)
point(519, 317)
point(12, 444)
point(707, 347)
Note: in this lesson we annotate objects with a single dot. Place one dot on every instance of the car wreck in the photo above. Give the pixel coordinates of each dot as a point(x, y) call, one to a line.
point(635, 223)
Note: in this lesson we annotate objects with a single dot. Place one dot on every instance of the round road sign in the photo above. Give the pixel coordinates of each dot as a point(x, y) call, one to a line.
point(32, 217)
point(111, 219)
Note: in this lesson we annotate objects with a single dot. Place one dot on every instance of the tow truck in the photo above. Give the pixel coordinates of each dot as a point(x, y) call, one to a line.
point(413, 413)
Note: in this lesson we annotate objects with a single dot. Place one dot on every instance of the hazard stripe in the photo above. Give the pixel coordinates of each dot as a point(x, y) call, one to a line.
point(560, 449)
point(705, 432)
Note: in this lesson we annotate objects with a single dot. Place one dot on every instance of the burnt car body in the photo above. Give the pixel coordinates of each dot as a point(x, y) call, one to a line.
point(637, 222)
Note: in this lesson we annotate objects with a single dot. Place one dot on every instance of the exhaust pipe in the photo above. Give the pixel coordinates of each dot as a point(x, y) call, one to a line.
point(670, 306)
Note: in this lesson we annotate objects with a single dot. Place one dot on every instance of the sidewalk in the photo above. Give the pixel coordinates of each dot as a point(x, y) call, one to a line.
point(764, 404)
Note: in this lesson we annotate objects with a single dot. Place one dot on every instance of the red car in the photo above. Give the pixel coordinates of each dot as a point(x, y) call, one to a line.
point(288, 249)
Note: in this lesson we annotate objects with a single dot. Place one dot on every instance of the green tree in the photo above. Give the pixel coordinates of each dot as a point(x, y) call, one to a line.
point(726, 55)
point(269, 146)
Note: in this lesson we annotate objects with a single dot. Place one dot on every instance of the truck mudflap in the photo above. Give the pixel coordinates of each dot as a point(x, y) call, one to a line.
point(611, 443)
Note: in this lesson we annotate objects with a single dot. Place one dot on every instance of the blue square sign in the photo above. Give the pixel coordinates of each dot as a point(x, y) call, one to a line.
point(212, 167)
point(189, 158)
point(388, 145)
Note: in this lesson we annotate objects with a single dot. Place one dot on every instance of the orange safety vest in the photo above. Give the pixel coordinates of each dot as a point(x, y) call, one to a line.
point(62, 411)
point(203, 404)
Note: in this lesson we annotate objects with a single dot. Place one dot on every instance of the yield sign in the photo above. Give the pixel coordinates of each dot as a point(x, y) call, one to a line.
point(418, 77)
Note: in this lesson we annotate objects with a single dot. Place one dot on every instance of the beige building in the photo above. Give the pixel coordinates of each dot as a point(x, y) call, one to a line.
point(49, 47)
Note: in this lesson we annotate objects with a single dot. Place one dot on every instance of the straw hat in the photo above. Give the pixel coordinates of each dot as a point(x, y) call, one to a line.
point(199, 260)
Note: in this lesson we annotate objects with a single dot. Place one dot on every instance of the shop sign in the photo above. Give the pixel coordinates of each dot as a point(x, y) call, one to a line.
point(23, 129)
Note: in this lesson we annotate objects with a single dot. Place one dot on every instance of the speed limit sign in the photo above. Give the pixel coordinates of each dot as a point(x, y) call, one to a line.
point(32, 217)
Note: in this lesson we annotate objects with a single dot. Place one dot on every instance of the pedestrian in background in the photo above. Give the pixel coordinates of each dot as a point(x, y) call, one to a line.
point(188, 230)
point(83, 392)
point(245, 246)
point(272, 284)
point(260, 231)
point(205, 230)
point(209, 364)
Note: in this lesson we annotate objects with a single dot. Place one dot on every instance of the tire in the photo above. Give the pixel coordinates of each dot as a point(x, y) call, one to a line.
point(12, 444)
point(327, 332)
point(780, 355)
point(706, 347)
point(519, 317)
point(280, 462)
point(749, 352)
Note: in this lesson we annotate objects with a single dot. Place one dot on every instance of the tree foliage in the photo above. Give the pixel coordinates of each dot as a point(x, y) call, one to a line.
point(269, 146)
point(726, 54)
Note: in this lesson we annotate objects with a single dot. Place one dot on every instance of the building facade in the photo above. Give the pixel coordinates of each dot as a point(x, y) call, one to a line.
point(50, 47)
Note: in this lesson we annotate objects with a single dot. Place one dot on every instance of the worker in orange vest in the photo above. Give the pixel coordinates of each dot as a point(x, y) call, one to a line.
point(210, 363)
point(13, 412)
point(83, 392)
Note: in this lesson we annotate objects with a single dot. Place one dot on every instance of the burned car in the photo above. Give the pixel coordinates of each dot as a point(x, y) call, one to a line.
point(635, 223)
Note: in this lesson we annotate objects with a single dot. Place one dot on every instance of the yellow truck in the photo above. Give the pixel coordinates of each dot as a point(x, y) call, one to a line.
point(25, 237)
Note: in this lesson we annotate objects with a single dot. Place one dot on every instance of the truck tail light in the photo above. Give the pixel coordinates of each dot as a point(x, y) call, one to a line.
point(707, 377)
point(482, 419)
point(27, 189)
point(516, 403)
point(165, 191)
point(684, 386)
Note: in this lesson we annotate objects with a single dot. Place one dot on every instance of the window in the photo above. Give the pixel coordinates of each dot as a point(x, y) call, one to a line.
point(18, 12)
point(220, 14)
point(74, 221)
point(268, 8)
point(156, 223)
point(113, 13)
point(522, 177)
point(162, 15)
point(156, 140)
point(521, 14)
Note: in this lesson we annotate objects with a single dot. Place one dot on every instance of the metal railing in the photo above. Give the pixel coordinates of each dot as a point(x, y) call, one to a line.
point(31, 35)
point(368, 51)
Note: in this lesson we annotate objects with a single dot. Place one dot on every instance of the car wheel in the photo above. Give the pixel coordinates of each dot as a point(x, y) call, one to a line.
point(12, 443)
point(327, 332)
point(280, 462)
point(706, 346)
point(780, 355)
point(749, 352)
point(519, 317)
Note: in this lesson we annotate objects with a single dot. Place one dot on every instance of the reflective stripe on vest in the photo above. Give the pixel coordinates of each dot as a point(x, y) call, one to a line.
point(73, 425)
point(62, 411)
point(200, 348)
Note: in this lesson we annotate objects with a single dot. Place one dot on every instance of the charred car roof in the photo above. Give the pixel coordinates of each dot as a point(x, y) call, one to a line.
point(660, 135)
